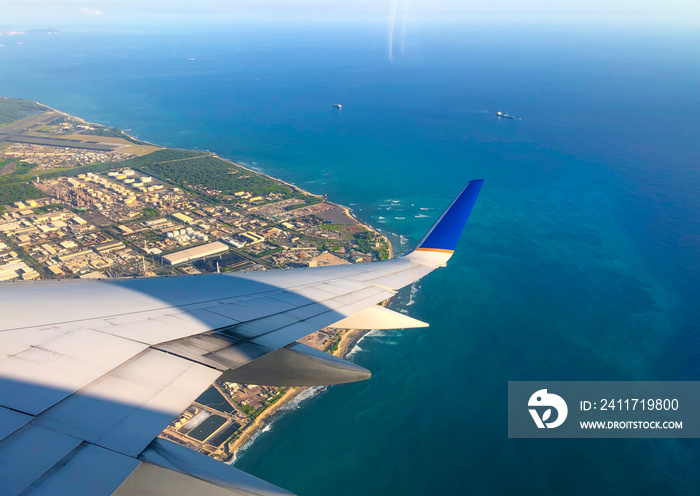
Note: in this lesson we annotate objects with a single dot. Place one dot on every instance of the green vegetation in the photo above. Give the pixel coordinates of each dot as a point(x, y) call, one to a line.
point(153, 237)
point(14, 109)
point(207, 171)
point(364, 241)
point(58, 120)
point(367, 243)
point(10, 193)
point(247, 409)
point(159, 156)
point(272, 251)
point(113, 132)
point(149, 213)
point(335, 343)
point(383, 251)
point(19, 171)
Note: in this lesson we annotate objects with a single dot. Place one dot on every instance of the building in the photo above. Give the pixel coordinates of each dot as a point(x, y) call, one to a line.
point(182, 217)
point(252, 238)
point(195, 253)
point(109, 246)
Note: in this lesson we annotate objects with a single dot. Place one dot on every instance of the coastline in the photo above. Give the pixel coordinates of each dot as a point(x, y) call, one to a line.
point(346, 344)
point(348, 338)
point(347, 210)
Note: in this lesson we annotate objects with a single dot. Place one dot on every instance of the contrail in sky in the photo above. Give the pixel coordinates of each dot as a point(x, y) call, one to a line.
point(392, 20)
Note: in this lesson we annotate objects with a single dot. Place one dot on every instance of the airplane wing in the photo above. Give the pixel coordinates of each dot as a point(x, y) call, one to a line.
point(92, 371)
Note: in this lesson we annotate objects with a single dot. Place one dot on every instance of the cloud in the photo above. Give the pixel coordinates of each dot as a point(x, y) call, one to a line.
point(89, 12)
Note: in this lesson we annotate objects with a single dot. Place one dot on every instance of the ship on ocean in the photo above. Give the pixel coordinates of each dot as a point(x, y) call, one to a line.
point(336, 105)
point(505, 116)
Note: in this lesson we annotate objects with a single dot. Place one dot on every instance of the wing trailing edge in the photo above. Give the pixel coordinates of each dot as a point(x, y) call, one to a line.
point(168, 469)
point(297, 365)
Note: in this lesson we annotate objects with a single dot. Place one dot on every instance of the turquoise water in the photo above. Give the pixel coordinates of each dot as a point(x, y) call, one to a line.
point(580, 261)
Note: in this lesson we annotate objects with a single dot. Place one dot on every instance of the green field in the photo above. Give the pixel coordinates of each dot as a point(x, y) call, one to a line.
point(14, 109)
point(187, 169)
point(10, 193)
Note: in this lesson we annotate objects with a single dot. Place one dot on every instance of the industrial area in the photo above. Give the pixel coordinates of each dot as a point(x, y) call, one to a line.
point(115, 207)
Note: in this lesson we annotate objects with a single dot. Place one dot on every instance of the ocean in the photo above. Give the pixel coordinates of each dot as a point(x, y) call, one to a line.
point(580, 261)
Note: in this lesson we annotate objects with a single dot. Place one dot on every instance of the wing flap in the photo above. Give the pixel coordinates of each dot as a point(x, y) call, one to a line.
point(128, 407)
point(243, 343)
point(62, 366)
point(297, 365)
point(29, 453)
point(88, 470)
point(10, 421)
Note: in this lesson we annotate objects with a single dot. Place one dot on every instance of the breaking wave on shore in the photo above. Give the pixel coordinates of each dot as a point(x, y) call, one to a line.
point(293, 404)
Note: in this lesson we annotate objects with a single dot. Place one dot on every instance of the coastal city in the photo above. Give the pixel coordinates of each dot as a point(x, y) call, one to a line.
point(79, 200)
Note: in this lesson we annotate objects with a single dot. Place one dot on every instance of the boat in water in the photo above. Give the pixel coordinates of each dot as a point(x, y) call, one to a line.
point(505, 116)
point(336, 105)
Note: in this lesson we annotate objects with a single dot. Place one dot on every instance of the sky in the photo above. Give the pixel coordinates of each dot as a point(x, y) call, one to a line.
point(110, 14)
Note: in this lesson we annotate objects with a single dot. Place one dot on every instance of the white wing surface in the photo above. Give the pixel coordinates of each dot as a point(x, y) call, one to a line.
point(92, 371)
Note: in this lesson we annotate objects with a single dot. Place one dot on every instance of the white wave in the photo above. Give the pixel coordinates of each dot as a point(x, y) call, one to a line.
point(381, 218)
point(403, 239)
point(292, 405)
point(400, 218)
point(246, 445)
point(251, 165)
point(376, 333)
point(357, 348)
point(425, 208)
point(421, 216)
point(354, 351)
point(411, 298)
point(303, 396)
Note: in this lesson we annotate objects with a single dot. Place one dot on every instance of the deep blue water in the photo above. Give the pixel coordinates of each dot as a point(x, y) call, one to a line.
point(580, 261)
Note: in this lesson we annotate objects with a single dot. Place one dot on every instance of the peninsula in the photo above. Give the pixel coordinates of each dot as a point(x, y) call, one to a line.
point(79, 199)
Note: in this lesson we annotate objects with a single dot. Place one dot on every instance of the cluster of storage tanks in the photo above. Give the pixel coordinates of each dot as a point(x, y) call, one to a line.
point(187, 234)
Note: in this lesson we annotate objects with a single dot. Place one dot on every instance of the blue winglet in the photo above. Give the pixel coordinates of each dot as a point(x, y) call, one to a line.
point(445, 234)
